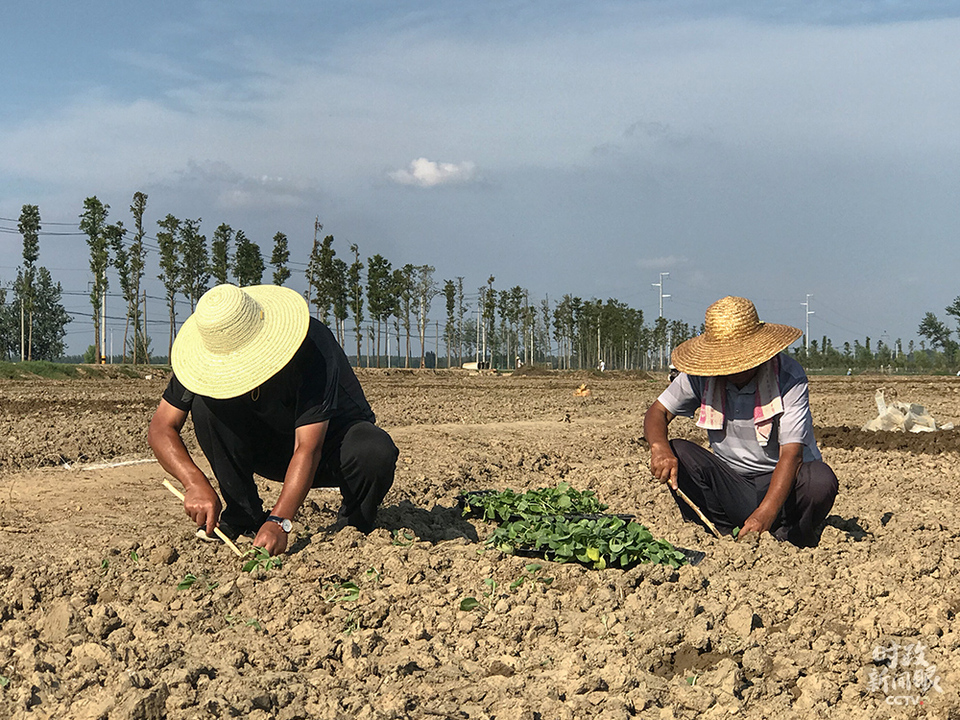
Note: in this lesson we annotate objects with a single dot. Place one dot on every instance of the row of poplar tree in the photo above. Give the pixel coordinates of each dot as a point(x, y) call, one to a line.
point(502, 327)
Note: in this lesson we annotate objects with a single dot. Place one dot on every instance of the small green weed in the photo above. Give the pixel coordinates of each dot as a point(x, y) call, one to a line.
point(104, 566)
point(4, 681)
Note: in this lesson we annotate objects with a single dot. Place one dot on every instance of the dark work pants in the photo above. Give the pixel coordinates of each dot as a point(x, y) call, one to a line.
point(361, 462)
point(728, 499)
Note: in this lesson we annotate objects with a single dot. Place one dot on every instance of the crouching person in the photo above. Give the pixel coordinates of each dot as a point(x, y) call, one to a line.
point(271, 392)
point(765, 473)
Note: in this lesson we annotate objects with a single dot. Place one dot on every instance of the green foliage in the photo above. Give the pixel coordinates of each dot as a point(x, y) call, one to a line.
point(556, 523)
point(189, 580)
point(220, 253)
point(93, 222)
point(250, 622)
point(355, 295)
point(279, 259)
point(402, 538)
point(260, 558)
point(507, 505)
point(341, 592)
point(247, 261)
point(4, 681)
point(596, 542)
point(194, 270)
point(531, 573)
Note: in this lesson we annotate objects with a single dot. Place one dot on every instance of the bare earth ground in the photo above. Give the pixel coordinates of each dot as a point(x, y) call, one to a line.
point(93, 625)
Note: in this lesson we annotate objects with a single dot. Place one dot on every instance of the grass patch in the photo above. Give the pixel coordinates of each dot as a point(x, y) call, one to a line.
point(64, 371)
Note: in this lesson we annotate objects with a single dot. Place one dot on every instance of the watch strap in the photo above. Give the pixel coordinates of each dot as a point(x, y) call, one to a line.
point(284, 523)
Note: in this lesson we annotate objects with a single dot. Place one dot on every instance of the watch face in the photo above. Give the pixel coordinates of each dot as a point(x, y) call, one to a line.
point(284, 523)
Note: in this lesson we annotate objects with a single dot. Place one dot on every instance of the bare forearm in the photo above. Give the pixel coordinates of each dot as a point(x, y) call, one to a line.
point(296, 483)
point(655, 424)
point(173, 457)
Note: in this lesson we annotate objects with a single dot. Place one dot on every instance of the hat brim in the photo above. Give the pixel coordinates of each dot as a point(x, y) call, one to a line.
point(699, 356)
point(286, 318)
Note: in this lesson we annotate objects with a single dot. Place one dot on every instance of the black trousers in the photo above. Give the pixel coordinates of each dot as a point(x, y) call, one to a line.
point(728, 498)
point(360, 461)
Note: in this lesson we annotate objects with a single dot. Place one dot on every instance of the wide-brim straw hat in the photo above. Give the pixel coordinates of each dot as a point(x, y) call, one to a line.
point(238, 338)
point(734, 340)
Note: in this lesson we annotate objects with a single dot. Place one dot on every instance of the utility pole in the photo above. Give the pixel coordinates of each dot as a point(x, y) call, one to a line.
point(808, 313)
point(659, 286)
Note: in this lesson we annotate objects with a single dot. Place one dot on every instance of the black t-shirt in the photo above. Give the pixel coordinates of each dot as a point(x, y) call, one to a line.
point(317, 384)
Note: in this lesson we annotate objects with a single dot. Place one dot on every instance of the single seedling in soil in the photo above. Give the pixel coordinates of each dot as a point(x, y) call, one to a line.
point(531, 572)
point(344, 592)
point(471, 603)
point(403, 538)
point(189, 580)
point(260, 558)
point(252, 622)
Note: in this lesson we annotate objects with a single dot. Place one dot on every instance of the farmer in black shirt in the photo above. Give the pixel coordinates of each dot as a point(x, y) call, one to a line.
point(272, 393)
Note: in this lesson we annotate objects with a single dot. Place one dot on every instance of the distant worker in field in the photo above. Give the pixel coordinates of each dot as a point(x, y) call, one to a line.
point(765, 473)
point(271, 392)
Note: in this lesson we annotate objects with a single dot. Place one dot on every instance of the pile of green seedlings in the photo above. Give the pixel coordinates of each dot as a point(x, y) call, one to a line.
point(565, 525)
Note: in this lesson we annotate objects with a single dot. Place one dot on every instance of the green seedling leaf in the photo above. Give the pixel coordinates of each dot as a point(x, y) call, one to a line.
point(254, 623)
point(469, 603)
point(188, 580)
point(736, 532)
point(4, 681)
point(343, 592)
point(352, 623)
point(134, 556)
point(374, 574)
point(260, 558)
point(403, 537)
point(104, 566)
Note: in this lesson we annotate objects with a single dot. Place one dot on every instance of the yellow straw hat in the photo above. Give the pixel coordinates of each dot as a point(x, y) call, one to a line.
point(734, 340)
point(239, 338)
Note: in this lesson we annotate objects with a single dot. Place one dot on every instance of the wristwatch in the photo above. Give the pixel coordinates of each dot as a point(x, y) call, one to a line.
point(284, 523)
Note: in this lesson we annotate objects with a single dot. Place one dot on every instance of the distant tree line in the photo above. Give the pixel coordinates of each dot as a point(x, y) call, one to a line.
point(378, 304)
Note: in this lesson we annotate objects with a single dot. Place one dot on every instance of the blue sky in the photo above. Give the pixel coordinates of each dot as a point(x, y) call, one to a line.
point(761, 149)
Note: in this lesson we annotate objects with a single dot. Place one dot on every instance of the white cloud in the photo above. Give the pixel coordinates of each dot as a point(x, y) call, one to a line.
point(427, 173)
point(659, 263)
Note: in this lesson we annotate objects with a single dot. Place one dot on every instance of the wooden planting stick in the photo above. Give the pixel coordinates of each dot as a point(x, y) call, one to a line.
point(217, 531)
point(710, 526)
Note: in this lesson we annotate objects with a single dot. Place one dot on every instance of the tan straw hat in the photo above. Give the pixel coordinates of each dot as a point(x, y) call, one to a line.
point(734, 340)
point(239, 338)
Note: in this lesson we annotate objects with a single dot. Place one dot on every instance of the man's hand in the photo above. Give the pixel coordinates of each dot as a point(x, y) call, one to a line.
point(202, 504)
point(664, 464)
point(271, 538)
point(760, 521)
